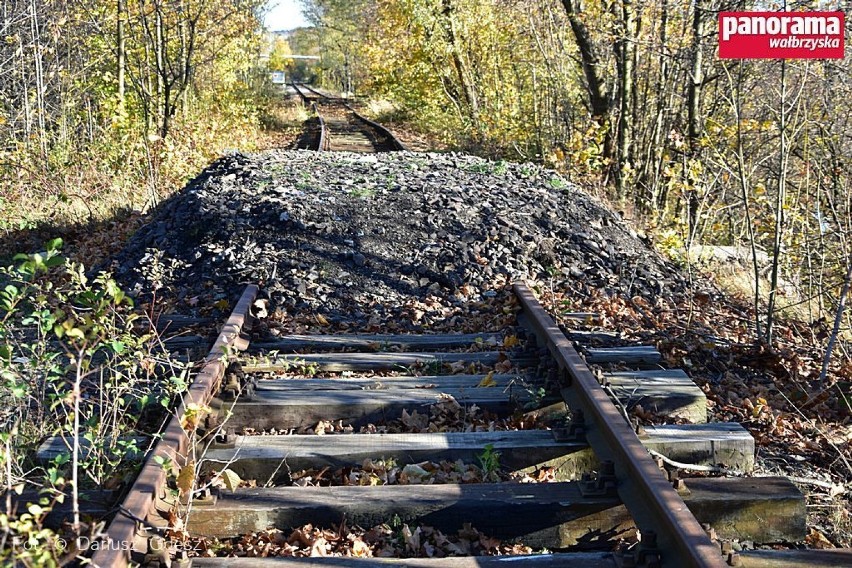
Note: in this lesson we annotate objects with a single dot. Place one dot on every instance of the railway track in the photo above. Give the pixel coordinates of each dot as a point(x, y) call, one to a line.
point(336, 126)
point(247, 406)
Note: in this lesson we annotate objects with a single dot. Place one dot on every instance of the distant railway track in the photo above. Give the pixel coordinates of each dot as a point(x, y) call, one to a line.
point(608, 484)
point(338, 127)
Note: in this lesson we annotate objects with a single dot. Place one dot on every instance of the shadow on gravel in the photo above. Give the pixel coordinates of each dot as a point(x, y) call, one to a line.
point(30, 240)
point(231, 245)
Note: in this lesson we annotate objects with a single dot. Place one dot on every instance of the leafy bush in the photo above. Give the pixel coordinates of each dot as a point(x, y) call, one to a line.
point(76, 362)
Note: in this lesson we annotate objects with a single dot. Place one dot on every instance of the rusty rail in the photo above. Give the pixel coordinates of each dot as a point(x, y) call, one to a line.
point(392, 140)
point(317, 93)
point(324, 141)
point(125, 534)
point(649, 497)
point(301, 93)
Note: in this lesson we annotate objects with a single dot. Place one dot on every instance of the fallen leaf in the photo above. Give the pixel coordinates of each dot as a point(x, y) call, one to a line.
point(488, 380)
point(230, 479)
point(319, 547)
point(360, 549)
point(816, 539)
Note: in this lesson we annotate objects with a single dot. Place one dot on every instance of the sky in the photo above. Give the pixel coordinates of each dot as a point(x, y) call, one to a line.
point(284, 15)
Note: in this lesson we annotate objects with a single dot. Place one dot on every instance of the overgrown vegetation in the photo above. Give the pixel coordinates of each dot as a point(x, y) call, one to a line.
point(79, 365)
point(109, 106)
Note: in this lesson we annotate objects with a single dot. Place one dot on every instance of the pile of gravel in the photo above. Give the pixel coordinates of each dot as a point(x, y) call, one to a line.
point(340, 233)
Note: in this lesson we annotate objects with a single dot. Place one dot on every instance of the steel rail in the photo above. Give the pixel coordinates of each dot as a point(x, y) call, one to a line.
point(126, 534)
point(394, 142)
point(324, 141)
point(649, 497)
point(317, 93)
point(302, 95)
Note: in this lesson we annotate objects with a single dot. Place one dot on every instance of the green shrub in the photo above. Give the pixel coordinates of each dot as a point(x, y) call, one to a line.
point(79, 363)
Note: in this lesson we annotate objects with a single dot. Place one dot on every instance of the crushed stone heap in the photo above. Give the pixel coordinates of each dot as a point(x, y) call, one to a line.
point(341, 233)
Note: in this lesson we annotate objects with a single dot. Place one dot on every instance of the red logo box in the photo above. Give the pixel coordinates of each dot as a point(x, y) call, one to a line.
point(781, 35)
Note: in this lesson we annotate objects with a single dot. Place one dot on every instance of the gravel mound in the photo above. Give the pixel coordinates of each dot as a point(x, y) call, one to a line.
point(340, 233)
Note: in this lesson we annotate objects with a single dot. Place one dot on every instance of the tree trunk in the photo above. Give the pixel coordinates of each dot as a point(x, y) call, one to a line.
point(838, 319)
point(159, 63)
point(781, 198)
point(41, 111)
point(626, 56)
point(120, 50)
point(656, 197)
point(694, 120)
point(598, 98)
point(463, 73)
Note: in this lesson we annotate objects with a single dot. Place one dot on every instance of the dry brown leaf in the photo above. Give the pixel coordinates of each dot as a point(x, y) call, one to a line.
point(488, 380)
point(360, 549)
point(186, 478)
point(319, 548)
point(412, 539)
point(816, 539)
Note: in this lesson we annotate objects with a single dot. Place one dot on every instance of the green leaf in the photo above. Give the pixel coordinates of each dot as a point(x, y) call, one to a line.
point(54, 244)
point(19, 390)
point(76, 332)
point(54, 261)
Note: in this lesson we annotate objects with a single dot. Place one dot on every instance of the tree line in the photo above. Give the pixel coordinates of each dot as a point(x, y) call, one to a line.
point(631, 98)
point(94, 91)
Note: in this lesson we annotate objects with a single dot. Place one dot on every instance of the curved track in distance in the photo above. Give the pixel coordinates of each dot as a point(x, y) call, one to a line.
point(338, 127)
